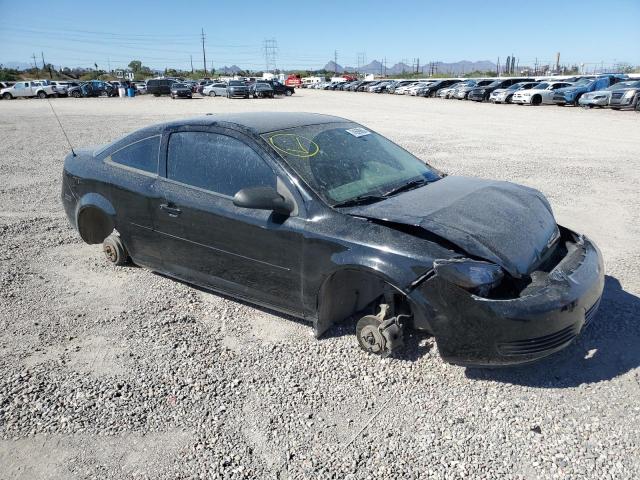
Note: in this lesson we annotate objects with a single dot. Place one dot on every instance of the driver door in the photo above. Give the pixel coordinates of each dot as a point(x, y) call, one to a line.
point(206, 239)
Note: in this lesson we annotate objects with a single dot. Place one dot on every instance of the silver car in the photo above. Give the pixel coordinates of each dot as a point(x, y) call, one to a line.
point(541, 94)
point(625, 95)
point(504, 95)
point(462, 92)
point(218, 89)
point(446, 91)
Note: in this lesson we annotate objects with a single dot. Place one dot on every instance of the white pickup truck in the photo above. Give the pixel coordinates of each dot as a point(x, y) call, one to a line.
point(28, 89)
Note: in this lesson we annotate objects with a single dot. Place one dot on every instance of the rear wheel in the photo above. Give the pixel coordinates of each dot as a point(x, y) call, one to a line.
point(212, 93)
point(42, 95)
point(288, 93)
point(114, 250)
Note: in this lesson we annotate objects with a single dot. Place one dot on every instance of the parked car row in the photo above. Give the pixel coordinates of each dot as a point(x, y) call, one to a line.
point(173, 87)
point(613, 90)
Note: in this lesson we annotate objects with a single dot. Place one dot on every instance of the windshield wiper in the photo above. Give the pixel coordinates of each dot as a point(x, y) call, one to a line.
point(359, 200)
point(407, 186)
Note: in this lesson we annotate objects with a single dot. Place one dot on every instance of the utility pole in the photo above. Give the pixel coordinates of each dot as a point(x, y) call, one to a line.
point(418, 65)
point(498, 68)
point(385, 67)
point(191, 63)
point(335, 62)
point(44, 65)
point(204, 55)
point(35, 65)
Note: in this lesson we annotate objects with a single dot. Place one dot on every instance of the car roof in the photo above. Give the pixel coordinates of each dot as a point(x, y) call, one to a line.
point(261, 122)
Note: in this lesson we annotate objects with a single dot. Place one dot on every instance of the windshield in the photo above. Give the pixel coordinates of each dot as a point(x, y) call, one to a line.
point(344, 161)
point(542, 86)
point(583, 81)
point(616, 86)
point(236, 83)
point(263, 86)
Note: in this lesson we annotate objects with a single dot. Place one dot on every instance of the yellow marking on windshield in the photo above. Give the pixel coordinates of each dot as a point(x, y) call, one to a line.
point(294, 145)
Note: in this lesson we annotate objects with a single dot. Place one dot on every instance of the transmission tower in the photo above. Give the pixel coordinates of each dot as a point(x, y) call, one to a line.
point(362, 59)
point(270, 51)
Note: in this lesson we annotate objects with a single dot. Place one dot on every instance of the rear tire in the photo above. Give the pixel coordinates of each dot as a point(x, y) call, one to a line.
point(288, 93)
point(42, 95)
point(114, 250)
point(212, 93)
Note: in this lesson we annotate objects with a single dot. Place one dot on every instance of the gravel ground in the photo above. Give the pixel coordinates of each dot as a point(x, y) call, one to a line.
point(120, 373)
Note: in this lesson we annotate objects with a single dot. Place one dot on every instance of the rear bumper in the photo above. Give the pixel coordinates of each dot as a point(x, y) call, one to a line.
point(475, 331)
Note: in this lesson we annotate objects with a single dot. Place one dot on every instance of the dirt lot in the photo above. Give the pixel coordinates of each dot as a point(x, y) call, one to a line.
point(120, 373)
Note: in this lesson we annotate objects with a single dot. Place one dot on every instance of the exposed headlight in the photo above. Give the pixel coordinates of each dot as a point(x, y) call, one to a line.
point(469, 274)
point(629, 94)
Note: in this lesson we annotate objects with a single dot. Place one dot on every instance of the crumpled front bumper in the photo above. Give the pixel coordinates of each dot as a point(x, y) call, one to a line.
point(475, 331)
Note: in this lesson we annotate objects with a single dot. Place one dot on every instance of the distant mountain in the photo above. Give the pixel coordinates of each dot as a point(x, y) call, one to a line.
point(332, 66)
point(376, 67)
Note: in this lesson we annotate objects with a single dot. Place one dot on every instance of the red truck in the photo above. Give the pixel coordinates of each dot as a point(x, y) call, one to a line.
point(294, 81)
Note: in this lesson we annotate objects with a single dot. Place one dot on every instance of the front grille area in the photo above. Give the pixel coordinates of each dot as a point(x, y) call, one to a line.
point(617, 95)
point(539, 345)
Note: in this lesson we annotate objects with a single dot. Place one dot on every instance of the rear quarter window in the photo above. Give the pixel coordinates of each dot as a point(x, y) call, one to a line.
point(141, 155)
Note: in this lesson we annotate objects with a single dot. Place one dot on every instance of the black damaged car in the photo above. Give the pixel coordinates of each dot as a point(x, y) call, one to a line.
point(326, 220)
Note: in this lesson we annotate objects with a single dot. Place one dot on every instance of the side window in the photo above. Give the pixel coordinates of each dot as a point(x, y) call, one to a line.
point(216, 162)
point(142, 155)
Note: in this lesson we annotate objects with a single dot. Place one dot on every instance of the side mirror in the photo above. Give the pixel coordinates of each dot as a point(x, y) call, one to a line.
point(263, 198)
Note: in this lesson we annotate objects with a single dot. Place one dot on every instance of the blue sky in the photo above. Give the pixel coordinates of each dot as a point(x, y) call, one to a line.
point(165, 33)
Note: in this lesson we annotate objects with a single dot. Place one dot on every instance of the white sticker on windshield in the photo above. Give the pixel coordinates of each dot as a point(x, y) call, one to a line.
point(358, 132)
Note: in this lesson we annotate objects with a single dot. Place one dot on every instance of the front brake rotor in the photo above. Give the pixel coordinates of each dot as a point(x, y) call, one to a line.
point(369, 336)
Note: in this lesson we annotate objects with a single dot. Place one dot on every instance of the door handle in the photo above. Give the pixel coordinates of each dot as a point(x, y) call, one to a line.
point(171, 211)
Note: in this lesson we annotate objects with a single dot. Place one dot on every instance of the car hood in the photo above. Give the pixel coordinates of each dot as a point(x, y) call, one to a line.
point(576, 89)
point(508, 224)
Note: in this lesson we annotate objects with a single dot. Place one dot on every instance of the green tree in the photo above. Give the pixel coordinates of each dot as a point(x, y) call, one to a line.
point(135, 66)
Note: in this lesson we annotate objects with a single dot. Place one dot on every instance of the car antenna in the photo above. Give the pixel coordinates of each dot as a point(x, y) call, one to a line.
point(62, 128)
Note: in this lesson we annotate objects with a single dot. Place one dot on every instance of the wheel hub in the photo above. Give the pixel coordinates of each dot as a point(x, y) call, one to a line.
point(111, 253)
point(372, 339)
